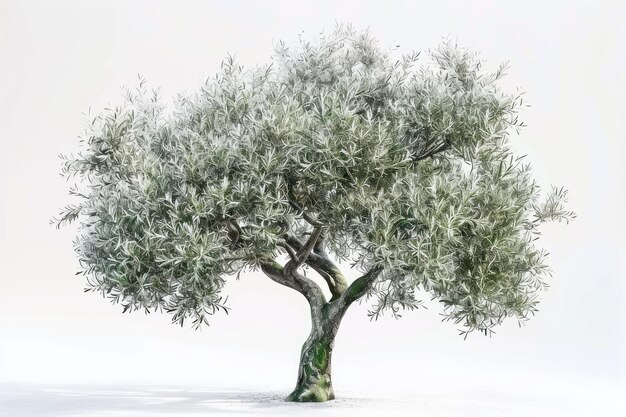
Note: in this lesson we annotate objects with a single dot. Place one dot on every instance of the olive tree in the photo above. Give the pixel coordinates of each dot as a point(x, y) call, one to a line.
point(336, 153)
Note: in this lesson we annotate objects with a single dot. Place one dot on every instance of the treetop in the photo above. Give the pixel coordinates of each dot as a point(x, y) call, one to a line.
point(335, 150)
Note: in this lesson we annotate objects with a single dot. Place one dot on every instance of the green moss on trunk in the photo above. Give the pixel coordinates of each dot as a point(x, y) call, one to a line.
point(314, 380)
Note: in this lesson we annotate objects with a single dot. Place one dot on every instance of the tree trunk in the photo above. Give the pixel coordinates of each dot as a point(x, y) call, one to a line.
point(314, 380)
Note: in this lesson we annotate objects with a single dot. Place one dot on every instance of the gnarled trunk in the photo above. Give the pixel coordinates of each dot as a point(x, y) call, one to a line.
point(314, 380)
point(314, 374)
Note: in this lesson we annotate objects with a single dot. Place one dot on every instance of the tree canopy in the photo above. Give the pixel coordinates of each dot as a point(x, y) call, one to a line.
point(337, 151)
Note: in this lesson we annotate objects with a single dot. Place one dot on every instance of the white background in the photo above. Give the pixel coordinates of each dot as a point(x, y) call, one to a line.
point(58, 59)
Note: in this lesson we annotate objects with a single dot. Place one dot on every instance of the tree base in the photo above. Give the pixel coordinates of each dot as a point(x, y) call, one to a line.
point(314, 382)
point(319, 392)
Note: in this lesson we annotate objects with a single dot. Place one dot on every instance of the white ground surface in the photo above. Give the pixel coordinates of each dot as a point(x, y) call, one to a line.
point(141, 401)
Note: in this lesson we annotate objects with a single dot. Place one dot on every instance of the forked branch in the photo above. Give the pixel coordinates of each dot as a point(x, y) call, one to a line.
point(307, 287)
point(323, 265)
point(305, 250)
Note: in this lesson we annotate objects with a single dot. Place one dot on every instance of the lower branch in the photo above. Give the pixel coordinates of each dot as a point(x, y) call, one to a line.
point(276, 273)
point(292, 279)
point(358, 288)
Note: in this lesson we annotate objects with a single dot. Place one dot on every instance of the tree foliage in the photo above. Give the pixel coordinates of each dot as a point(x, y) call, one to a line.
point(402, 165)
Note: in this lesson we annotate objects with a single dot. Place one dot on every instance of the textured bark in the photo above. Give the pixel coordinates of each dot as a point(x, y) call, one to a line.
point(314, 374)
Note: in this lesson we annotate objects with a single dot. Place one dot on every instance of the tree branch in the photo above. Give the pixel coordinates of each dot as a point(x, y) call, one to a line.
point(319, 245)
point(432, 151)
point(296, 281)
point(276, 273)
point(358, 288)
point(307, 248)
point(292, 253)
point(319, 261)
point(307, 217)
